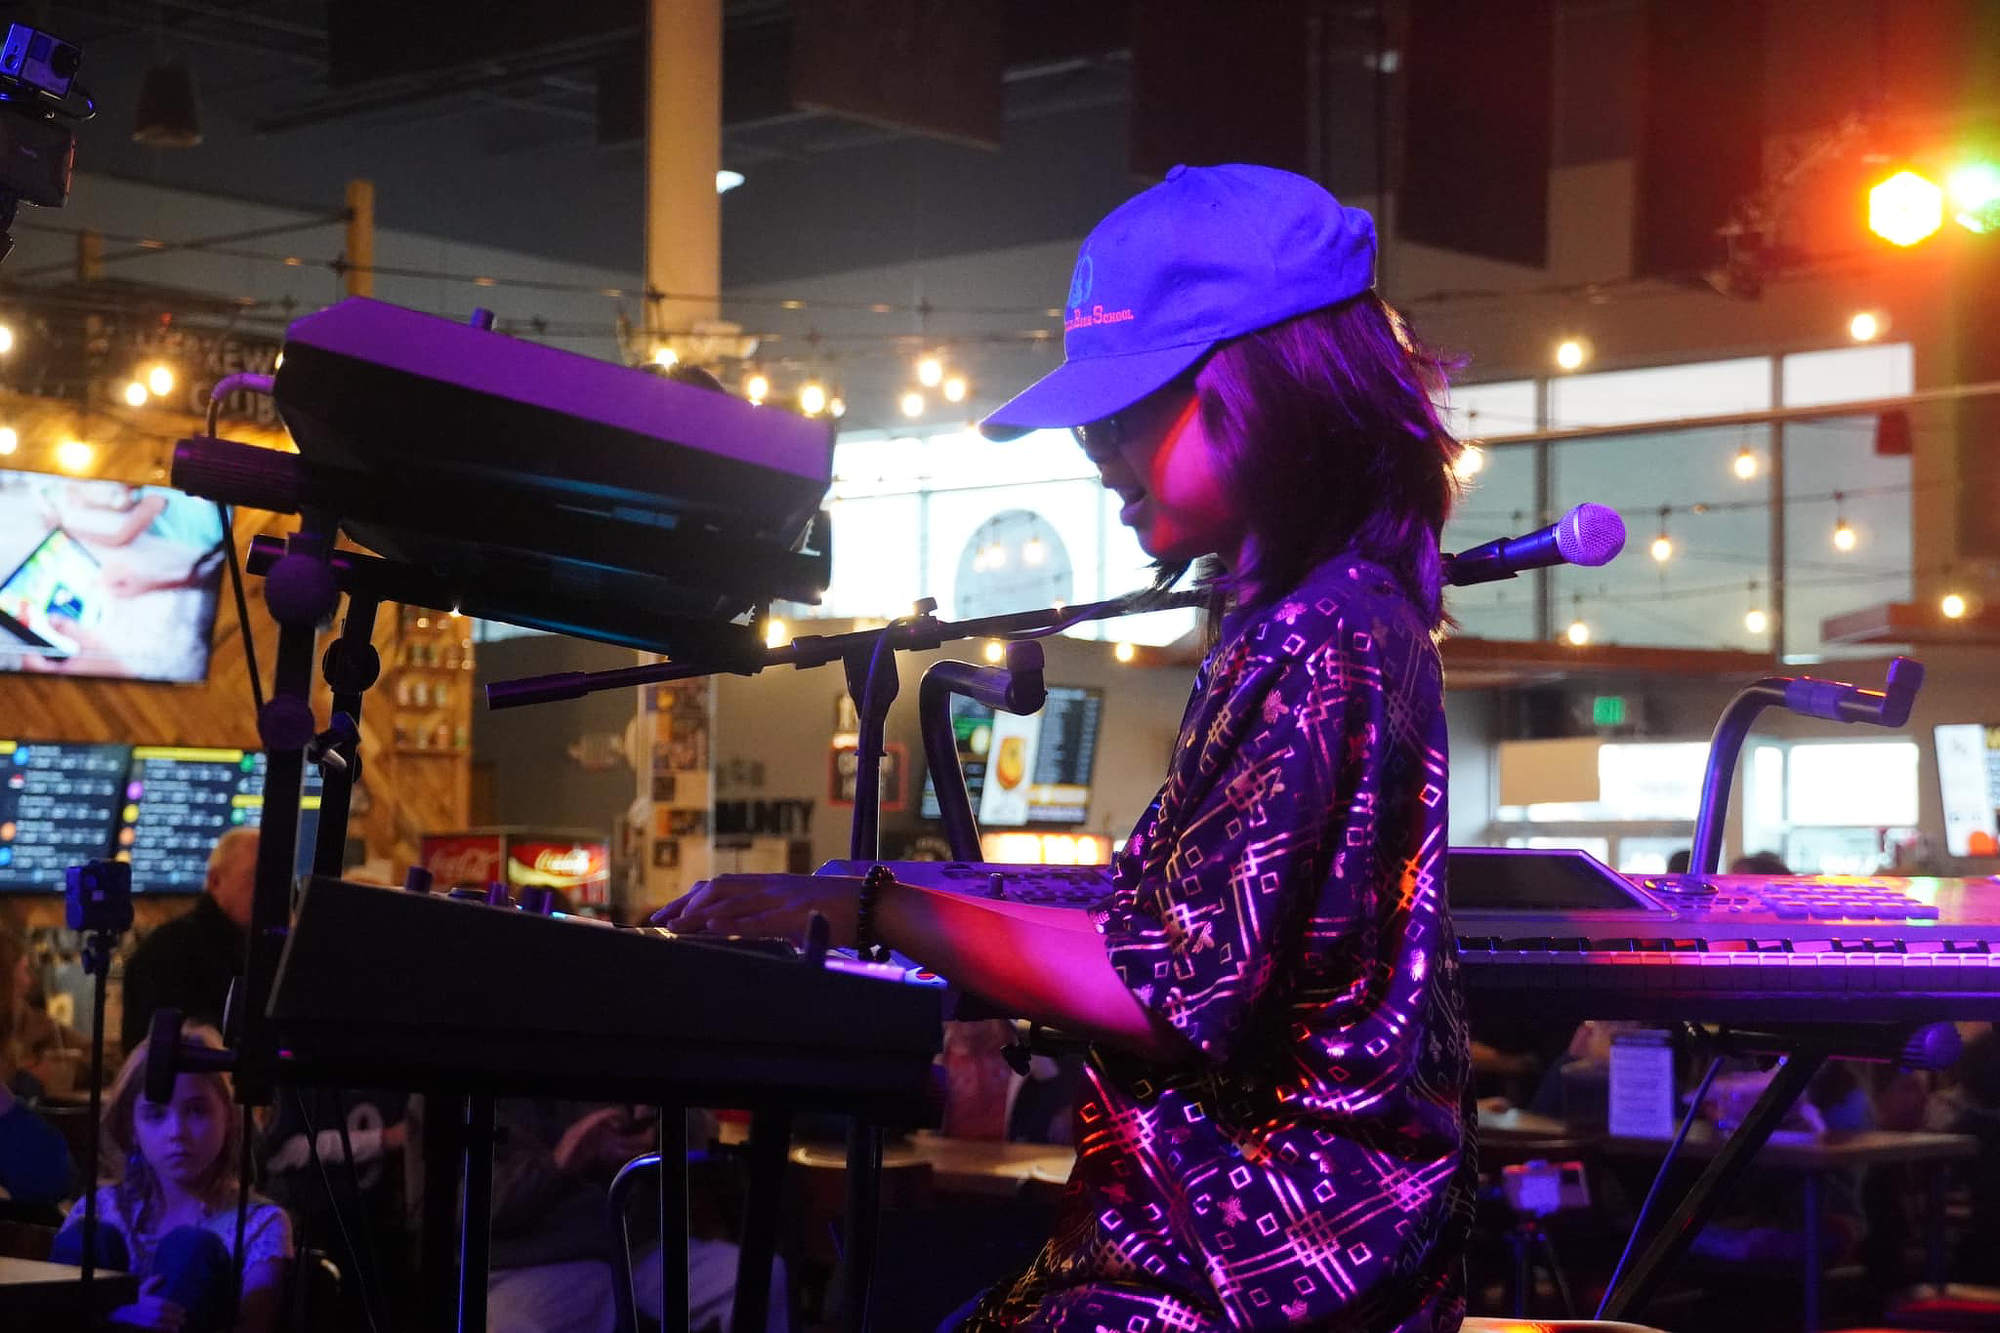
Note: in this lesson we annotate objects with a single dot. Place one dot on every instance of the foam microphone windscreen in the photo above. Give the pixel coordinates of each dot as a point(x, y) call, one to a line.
point(1590, 534)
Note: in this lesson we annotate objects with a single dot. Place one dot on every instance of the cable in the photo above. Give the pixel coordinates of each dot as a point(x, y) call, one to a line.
point(244, 1166)
point(1659, 1178)
point(339, 1220)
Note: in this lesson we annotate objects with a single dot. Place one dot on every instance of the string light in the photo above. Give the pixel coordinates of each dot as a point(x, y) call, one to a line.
point(10, 439)
point(160, 380)
point(776, 633)
point(1033, 552)
point(1746, 464)
point(954, 389)
point(930, 371)
point(1663, 545)
point(1953, 605)
point(1843, 534)
point(665, 356)
point(74, 456)
point(812, 398)
point(135, 394)
point(1571, 353)
point(757, 388)
point(994, 652)
point(1578, 632)
point(1471, 461)
point(836, 406)
point(1866, 326)
point(1756, 621)
point(1123, 651)
point(912, 403)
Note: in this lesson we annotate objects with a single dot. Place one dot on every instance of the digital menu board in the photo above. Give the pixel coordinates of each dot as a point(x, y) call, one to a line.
point(1968, 759)
point(179, 800)
point(1022, 771)
point(58, 805)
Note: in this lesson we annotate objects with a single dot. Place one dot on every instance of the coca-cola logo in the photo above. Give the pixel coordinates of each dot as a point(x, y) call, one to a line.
point(463, 864)
point(576, 861)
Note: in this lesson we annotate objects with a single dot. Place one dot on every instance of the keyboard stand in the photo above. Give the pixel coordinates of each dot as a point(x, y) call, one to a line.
point(1805, 1050)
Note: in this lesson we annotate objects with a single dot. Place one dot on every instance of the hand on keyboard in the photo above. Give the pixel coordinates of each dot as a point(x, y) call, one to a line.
point(771, 905)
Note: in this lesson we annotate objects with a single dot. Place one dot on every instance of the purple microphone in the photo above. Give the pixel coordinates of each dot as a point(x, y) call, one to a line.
point(1589, 534)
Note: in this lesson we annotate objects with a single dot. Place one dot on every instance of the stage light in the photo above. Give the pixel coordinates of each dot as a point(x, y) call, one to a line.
point(812, 398)
point(1124, 652)
point(1572, 353)
point(1578, 633)
point(1905, 208)
point(74, 456)
point(6, 338)
point(10, 439)
point(930, 371)
point(954, 388)
point(757, 388)
point(1471, 461)
point(1745, 466)
point(1663, 549)
point(135, 394)
point(1974, 192)
point(160, 380)
point(1953, 605)
point(1756, 621)
point(912, 404)
point(995, 653)
point(1865, 327)
point(665, 356)
point(776, 633)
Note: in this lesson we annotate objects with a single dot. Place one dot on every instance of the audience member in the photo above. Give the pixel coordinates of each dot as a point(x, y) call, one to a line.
point(189, 962)
point(166, 1207)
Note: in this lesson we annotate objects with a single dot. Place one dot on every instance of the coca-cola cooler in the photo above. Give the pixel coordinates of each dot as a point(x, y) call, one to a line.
point(573, 861)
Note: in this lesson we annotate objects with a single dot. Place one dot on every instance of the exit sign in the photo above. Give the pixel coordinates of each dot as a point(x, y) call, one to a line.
point(1607, 710)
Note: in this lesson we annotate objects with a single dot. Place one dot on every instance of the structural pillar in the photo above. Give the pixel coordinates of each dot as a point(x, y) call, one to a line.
point(360, 272)
point(673, 812)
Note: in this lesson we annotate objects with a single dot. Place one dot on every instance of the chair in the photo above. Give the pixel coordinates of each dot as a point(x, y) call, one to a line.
point(312, 1293)
point(25, 1240)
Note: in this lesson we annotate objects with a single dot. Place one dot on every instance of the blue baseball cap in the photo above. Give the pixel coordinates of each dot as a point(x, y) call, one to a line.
point(1208, 254)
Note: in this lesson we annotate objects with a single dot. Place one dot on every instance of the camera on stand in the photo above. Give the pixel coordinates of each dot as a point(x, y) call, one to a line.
point(38, 101)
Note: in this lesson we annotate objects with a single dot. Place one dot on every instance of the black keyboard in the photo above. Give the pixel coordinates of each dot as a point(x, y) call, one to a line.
point(1558, 934)
point(385, 987)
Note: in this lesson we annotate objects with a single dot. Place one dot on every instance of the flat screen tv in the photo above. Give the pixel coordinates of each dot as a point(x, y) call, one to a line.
point(1031, 771)
point(98, 578)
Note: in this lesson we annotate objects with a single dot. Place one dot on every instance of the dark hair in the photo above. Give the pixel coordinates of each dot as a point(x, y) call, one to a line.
point(1332, 442)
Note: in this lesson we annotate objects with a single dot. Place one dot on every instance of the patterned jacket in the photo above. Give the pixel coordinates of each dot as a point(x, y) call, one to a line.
point(1282, 904)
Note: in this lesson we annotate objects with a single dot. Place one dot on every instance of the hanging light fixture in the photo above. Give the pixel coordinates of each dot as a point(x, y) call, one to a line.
point(167, 116)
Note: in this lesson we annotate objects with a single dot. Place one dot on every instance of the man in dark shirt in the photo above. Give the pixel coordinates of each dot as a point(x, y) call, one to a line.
point(189, 962)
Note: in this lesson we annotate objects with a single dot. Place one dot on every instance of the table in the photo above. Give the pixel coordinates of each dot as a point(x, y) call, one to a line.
point(962, 1166)
point(36, 1294)
point(1814, 1159)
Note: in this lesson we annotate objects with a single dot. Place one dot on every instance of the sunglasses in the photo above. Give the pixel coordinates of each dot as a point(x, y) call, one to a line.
point(1157, 410)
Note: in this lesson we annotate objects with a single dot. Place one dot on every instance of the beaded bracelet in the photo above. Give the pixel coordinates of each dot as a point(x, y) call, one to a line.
point(864, 913)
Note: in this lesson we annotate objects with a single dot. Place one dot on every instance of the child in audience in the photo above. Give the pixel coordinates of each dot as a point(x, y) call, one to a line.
point(166, 1207)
